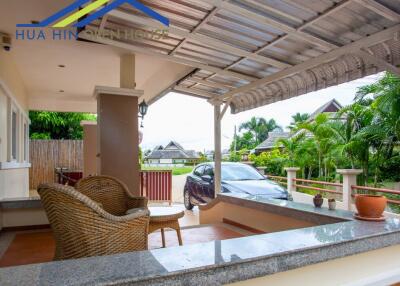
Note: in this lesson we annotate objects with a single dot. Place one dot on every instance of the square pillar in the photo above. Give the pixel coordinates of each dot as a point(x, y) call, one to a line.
point(349, 179)
point(217, 149)
point(291, 175)
point(118, 135)
point(90, 151)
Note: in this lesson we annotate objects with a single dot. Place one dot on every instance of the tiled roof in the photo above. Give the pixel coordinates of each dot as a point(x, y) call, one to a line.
point(172, 153)
point(273, 137)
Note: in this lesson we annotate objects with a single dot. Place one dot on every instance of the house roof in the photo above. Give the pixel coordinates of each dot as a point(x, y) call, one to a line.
point(172, 151)
point(273, 137)
point(331, 106)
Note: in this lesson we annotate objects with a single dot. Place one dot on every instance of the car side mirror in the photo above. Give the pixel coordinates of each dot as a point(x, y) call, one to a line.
point(207, 178)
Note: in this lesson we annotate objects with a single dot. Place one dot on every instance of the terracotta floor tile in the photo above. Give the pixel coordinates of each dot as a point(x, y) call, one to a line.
point(36, 247)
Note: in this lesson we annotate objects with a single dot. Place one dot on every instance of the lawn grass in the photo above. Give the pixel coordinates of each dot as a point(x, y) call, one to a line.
point(175, 170)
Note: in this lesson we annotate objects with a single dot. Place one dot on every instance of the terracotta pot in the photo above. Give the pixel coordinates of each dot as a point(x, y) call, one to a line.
point(370, 206)
point(318, 202)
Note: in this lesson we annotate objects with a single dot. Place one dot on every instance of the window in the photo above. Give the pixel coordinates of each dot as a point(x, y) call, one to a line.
point(209, 171)
point(199, 171)
point(14, 135)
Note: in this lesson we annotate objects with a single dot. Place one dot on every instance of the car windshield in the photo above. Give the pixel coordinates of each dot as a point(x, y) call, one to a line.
point(240, 173)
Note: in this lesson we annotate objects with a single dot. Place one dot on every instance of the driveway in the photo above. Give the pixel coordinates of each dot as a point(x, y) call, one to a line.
point(178, 183)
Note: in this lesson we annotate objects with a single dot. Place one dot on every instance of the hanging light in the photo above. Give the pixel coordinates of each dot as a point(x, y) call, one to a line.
point(143, 107)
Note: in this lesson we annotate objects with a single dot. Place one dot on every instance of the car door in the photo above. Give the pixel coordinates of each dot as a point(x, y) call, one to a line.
point(208, 186)
point(197, 184)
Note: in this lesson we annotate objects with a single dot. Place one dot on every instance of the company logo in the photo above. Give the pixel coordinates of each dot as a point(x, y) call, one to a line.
point(69, 17)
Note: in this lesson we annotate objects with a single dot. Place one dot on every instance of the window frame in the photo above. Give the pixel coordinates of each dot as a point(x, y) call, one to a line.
point(10, 134)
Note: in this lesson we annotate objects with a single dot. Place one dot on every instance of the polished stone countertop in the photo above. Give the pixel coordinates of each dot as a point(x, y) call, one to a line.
point(221, 262)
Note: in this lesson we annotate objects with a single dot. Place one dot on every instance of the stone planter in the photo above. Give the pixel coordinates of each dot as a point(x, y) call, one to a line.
point(332, 205)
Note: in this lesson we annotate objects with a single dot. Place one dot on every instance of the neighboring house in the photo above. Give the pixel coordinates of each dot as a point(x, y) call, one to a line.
point(171, 155)
point(331, 108)
point(270, 142)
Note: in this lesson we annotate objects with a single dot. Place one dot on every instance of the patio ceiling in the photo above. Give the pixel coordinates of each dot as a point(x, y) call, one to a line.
point(254, 52)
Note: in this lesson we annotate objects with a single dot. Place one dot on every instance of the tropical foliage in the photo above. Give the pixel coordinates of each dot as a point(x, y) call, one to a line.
point(57, 125)
point(365, 135)
point(255, 131)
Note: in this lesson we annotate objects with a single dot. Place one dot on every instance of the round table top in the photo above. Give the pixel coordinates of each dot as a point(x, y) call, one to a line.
point(166, 213)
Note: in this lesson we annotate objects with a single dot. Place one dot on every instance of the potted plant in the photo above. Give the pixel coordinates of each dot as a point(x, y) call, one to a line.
point(318, 201)
point(370, 206)
point(332, 204)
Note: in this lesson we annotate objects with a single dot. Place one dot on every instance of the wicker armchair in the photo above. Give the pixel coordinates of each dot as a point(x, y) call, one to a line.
point(111, 193)
point(82, 228)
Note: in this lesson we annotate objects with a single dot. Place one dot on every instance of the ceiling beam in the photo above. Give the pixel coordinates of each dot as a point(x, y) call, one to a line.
point(210, 83)
point(326, 45)
point(380, 9)
point(347, 49)
point(273, 10)
point(203, 39)
point(198, 27)
point(379, 62)
point(326, 13)
point(195, 91)
point(134, 48)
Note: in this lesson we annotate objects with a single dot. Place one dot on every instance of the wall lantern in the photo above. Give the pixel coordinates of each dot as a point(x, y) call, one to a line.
point(143, 107)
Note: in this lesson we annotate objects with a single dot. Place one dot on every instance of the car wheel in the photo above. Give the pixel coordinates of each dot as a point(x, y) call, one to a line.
point(186, 198)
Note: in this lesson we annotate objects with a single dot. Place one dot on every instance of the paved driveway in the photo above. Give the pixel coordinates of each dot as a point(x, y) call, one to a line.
point(178, 183)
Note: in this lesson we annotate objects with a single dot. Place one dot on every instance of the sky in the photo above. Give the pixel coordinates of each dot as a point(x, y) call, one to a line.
point(190, 120)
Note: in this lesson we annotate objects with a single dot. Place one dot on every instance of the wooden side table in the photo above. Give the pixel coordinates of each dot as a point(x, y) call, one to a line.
point(165, 217)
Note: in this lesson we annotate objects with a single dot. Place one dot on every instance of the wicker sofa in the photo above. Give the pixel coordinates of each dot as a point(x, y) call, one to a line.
point(82, 228)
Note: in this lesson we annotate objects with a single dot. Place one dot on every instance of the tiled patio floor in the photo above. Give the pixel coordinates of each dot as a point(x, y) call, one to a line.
point(27, 247)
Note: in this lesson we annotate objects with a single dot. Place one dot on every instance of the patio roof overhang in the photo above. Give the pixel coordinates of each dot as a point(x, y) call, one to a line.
point(251, 53)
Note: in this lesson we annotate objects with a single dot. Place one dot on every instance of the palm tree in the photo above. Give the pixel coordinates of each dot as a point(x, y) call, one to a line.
point(259, 127)
point(297, 119)
point(384, 131)
point(322, 132)
point(290, 146)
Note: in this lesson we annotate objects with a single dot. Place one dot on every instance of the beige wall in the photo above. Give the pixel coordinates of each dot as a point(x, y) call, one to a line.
point(14, 183)
point(10, 75)
point(23, 217)
point(374, 268)
point(260, 220)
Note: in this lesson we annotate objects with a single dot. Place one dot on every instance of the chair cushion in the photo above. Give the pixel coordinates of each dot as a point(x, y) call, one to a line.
point(135, 210)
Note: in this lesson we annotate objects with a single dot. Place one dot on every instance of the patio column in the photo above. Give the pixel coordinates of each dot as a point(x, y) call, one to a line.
point(217, 148)
point(291, 174)
point(118, 130)
point(118, 135)
point(349, 179)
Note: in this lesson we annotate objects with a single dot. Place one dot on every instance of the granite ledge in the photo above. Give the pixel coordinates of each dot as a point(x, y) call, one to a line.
point(217, 262)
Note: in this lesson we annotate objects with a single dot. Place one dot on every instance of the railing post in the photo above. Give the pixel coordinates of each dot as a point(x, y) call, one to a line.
point(349, 179)
point(291, 174)
point(261, 170)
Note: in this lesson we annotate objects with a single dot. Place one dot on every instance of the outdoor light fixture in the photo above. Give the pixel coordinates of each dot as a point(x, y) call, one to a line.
point(143, 107)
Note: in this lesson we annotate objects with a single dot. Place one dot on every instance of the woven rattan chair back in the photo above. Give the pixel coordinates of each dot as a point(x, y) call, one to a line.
point(82, 229)
point(108, 191)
